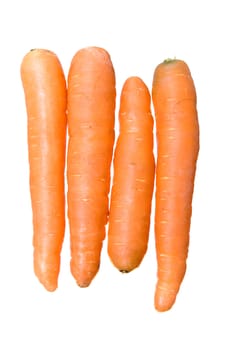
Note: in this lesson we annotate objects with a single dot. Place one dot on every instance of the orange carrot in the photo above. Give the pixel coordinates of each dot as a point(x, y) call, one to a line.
point(174, 99)
point(45, 97)
point(133, 180)
point(91, 114)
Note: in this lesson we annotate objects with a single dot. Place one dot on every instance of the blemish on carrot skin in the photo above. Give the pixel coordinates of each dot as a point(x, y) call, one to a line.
point(132, 131)
point(139, 189)
point(33, 136)
point(181, 75)
point(141, 180)
point(122, 244)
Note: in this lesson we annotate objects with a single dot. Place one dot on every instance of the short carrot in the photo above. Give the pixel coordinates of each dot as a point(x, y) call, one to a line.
point(133, 180)
point(174, 100)
point(91, 117)
point(45, 97)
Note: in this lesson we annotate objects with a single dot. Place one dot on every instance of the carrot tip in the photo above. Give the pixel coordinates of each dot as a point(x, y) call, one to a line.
point(124, 271)
point(48, 280)
point(164, 300)
point(50, 287)
point(83, 285)
point(39, 50)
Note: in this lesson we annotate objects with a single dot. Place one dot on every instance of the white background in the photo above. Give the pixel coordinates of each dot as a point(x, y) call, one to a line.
point(116, 311)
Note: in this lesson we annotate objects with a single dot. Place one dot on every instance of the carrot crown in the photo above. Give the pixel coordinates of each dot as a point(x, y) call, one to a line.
point(169, 60)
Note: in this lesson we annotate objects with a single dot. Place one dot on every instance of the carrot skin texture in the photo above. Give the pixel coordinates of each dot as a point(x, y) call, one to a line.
point(46, 97)
point(174, 100)
point(133, 180)
point(91, 117)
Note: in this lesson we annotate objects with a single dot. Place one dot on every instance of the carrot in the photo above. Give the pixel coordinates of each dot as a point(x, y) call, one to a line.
point(174, 100)
point(133, 180)
point(45, 97)
point(91, 114)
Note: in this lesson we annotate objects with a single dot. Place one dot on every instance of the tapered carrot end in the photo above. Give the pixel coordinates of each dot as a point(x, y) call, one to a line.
point(124, 257)
point(47, 271)
point(84, 282)
point(50, 284)
point(164, 299)
point(124, 271)
point(82, 275)
point(127, 266)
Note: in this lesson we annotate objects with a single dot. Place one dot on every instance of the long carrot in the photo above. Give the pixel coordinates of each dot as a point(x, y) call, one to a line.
point(174, 99)
point(91, 115)
point(45, 96)
point(133, 181)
